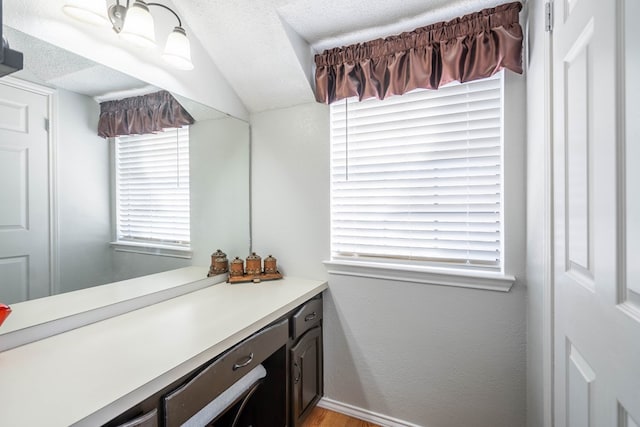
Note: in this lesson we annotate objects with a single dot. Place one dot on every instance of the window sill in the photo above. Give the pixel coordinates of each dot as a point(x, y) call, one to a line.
point(428, 275)
point(151, 249)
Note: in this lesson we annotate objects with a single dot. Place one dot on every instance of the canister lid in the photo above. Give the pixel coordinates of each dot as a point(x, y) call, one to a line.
point(237, 260)
point(270, 258)
point(253, 256)
point(219, 254)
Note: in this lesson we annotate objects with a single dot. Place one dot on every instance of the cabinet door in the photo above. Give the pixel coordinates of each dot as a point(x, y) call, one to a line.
point(306, 374)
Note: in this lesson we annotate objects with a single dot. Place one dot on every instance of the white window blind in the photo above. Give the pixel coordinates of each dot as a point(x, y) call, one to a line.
point(418, 177)
point(152, 187)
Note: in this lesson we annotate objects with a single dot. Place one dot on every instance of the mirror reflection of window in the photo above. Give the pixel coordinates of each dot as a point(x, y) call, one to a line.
point(152, 188)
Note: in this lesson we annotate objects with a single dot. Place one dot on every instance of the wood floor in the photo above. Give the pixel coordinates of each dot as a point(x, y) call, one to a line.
point(321, 417)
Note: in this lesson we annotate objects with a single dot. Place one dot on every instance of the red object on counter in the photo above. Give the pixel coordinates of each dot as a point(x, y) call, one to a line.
point(5, 311)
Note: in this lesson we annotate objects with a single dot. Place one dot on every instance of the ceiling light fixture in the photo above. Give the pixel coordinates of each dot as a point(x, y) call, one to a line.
point(134, 23)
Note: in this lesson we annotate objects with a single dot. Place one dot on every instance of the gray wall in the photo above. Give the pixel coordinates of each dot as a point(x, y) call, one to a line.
point(290, 188)
point(219, 169)
point(430, 355)
point(82, 195)
point(127, 265)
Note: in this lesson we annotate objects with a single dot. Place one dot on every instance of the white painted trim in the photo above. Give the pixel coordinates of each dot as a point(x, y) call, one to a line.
point(250, 188)
point(627, 301)
point(112, 189)
point(152, 249)
point(52, 146)
point(548, 287)
point(489, 281)
point(621, 166)
point(363, 414)
point(54, 207)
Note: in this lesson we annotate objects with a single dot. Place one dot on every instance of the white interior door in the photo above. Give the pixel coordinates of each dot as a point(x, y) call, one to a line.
point(597, 327)
point(24, 195)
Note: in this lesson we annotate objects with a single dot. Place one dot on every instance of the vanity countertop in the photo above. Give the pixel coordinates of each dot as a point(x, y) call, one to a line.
point(40, 318)
point(88, 375)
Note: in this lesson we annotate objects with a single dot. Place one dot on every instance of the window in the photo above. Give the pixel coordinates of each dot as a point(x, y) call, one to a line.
point(417, 179)
point(152, 189)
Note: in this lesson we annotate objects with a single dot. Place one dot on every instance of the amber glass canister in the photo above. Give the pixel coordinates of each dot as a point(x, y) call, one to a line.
point(237, 267)
point(254, 265)
point(270, 265)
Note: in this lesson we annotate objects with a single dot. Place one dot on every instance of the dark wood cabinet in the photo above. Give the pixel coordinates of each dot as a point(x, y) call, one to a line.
point(290, 349)
point(306, 374)
point(305, 361)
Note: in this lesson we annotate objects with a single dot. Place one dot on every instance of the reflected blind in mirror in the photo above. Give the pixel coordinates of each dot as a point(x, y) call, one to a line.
point(417, 178)
point(152, 187)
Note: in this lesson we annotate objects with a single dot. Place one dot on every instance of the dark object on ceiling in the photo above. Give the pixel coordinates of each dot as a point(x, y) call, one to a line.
point(10, 60)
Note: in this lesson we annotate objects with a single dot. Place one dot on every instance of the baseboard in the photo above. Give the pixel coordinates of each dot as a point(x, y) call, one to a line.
point(363, 414)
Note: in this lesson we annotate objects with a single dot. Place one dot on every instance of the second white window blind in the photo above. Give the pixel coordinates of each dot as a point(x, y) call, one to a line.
point(419, 177)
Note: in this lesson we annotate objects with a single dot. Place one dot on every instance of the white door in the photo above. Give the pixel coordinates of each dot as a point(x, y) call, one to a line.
point(24, 195)
point(597, 325)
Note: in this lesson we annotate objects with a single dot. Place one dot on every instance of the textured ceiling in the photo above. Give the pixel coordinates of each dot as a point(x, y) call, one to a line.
point(264, 48)
point(53, 66)
point(331, 23)
point(252, 47)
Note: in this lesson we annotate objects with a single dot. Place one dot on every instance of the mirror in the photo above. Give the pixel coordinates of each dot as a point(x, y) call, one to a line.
point(79, 185)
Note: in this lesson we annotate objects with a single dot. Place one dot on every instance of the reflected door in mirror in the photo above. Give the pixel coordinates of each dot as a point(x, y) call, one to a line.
point(24, 194)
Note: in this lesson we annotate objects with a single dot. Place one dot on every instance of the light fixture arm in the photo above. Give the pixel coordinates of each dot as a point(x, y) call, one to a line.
point(169, 9)
point(117, 14)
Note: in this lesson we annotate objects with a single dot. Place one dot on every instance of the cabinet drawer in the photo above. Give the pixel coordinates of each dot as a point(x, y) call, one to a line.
point(182, 403)
point(308, 316)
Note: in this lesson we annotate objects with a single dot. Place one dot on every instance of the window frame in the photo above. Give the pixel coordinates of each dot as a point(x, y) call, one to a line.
point(139, 247)
point(512, 212)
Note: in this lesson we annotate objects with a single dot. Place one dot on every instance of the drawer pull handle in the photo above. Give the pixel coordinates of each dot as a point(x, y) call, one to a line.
point(299, 373)
point(244, 363)
point(309, 317)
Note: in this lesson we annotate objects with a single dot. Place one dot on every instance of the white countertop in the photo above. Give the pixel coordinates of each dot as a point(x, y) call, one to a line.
point(89, 375)
point(40, 318)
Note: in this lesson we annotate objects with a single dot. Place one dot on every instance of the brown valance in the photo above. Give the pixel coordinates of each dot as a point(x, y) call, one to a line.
point(142, 114)
point(472, 47)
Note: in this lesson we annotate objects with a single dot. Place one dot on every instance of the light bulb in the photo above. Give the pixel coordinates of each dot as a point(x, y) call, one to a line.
point(177, 51)
point(138, 26)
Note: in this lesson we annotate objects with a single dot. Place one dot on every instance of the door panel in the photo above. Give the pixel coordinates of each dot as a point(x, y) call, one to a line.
point(579, 389)
point(24, 195)
point(15, 271)
point(13, 192)
point(596, 341)
point(624, 419)
point(577, 172)
point(13, 116)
